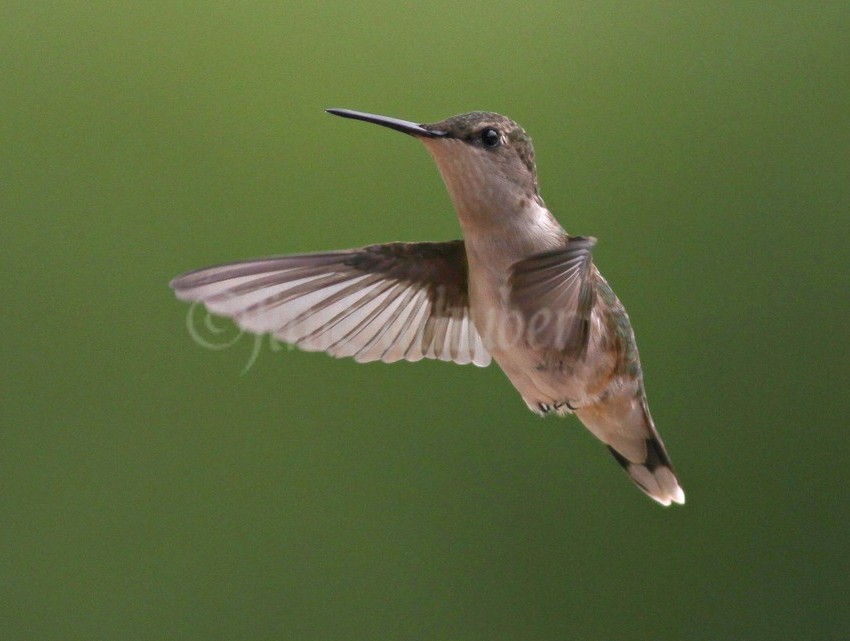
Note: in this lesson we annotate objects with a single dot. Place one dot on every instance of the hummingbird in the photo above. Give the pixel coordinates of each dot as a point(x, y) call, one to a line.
point(517, 289)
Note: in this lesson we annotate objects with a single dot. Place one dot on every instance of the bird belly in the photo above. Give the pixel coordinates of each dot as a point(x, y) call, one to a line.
point(547, 383)
point(548, 380)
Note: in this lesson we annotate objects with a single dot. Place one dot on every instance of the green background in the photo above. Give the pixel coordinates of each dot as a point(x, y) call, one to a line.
point(152, 490)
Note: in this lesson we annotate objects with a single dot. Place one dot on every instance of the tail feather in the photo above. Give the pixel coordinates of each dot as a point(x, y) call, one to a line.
point(654, 475)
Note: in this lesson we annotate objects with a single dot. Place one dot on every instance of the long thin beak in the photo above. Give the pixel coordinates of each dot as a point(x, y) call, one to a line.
point(403, 126)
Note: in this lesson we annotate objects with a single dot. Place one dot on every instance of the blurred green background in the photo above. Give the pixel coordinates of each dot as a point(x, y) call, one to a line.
point(154, 489)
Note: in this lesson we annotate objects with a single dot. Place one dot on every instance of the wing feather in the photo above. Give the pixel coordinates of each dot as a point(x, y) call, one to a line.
point(554, 292)
point(383, 302)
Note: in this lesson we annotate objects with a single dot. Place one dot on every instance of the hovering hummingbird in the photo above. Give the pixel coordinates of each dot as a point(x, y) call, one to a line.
point(518, 289)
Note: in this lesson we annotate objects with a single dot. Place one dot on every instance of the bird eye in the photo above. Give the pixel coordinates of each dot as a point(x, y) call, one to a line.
point(490, 138)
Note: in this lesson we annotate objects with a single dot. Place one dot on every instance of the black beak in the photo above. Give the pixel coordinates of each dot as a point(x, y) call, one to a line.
point(393, 123)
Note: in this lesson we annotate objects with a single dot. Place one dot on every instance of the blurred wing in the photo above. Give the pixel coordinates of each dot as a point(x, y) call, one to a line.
point(383, 302)
point(554, 294)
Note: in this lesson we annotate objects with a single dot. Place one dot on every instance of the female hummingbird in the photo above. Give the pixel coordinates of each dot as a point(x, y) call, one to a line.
point(517, 289)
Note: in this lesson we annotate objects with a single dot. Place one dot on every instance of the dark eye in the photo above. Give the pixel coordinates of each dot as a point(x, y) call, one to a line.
point(490, 138)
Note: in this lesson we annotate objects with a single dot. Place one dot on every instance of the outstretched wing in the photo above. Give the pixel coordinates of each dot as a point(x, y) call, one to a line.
point(399, 301)
point(554, 293)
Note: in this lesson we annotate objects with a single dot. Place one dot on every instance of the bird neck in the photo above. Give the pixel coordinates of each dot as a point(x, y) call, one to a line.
point(501, 237)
